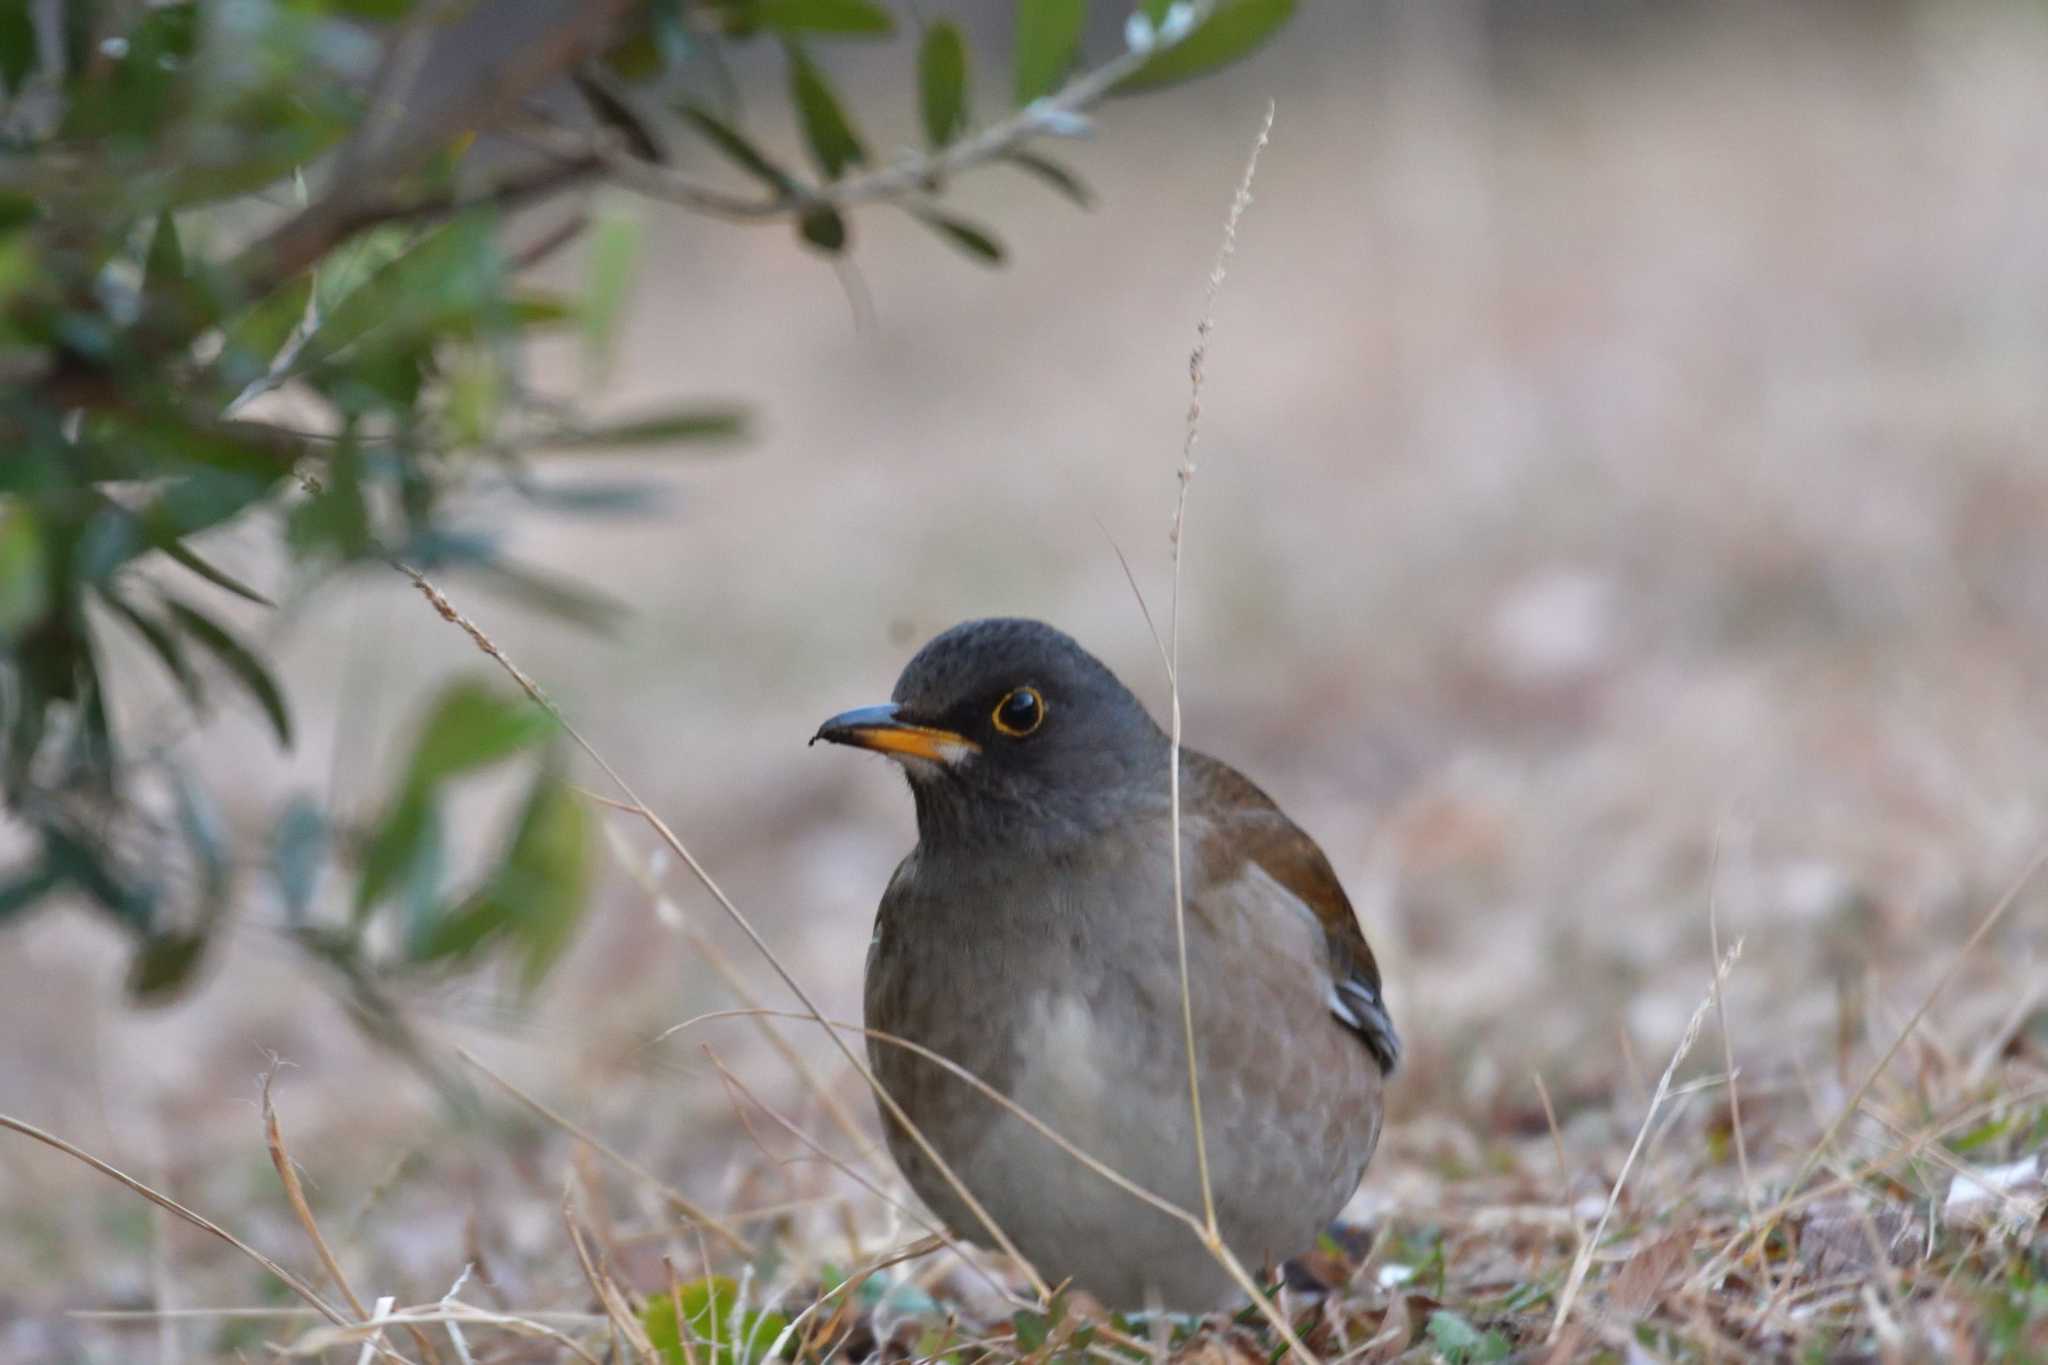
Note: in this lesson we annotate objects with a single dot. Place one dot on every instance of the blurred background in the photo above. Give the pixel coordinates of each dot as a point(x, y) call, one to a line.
point(1621, 490)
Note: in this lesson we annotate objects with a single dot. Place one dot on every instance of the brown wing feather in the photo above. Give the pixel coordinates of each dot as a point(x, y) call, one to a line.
point(1258, 830)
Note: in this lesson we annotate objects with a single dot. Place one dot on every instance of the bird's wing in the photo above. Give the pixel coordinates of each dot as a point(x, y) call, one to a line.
point(1250, 827)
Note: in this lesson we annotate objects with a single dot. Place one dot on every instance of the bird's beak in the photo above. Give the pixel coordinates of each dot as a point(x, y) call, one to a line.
point(882, 729)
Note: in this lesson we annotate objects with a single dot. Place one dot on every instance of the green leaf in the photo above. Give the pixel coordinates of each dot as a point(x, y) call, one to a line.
point(239, 661)
point(161, 641)
point(24, 571)
point(17, 44)
point(844, 18)
point(199, 819)
point(164, 268)
point(254, 339)
point(404, 850)
point(613, 110)
point(298, 848)
point(610, 265)
point(1031, 1329)
point(973, 240)
point(832, 141)
point(942, 83)
point(443, 281)
point(1048, 41)
point(1460, 1343)
point(736, 148)
point(707, 1313)
point(546, 875)
point(823, 228)
point(186, 556)
point(20, 891)
point(657, 429)
point(334, 518)
point(1053, 174)
point(472, 727)
point(163, 965)
point(1233, 29)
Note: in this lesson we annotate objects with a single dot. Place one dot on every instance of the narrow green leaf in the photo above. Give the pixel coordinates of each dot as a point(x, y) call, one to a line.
point(942, 83)
point(1048, 41)
point(832, 141)
point(164, 267)
point(546, 875)
point(163, 965)
point(823, 228)
point(1053, 174)
point(472, 727)
point(19, 891)
point(244, 665)
point(1232, 30)
point(443, 280)
point(404, 851)
point(973, 240)
point(663, 428)
point(24, 572)
point(17, 44)
point(841, 18)
point(205, 832)
point(334, 519)
point(161, 641)
point(610, 266)
point(254, 339)
point(736, 148)
point(613, 110)
point(298, 849)
point(186, 556)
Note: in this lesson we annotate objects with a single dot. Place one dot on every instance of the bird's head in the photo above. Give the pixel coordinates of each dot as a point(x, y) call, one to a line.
point(1008, 729)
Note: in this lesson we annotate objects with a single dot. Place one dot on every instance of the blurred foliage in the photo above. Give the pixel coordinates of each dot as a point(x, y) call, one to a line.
point(248, 283)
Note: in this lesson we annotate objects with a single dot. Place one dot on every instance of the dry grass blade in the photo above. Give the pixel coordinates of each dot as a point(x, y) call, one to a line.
point(1196, 360)
point(204, 1224)
point(708, 950)
point(1948, 973)
point(787, 1125)
point(295, 1194)
point(1583, 1261)
point(447, 611)
point(688, 1207)
point(1727, 1038)
point(624, 1323)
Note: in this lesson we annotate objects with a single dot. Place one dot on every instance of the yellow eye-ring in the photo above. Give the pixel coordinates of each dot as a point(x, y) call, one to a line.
point(1019, 713)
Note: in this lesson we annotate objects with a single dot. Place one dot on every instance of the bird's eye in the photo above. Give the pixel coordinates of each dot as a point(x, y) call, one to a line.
point(1019, 713)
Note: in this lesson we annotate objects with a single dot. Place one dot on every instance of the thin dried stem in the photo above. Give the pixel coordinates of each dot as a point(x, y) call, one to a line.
point(295, 1195)
point(1584, 1260)
point(1948, 974)
point(688, 1207)
point(1727, 1038)
point(207, 1225)
point(1196, 359)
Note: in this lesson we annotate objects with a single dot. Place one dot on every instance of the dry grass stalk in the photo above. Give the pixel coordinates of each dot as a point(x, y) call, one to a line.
point(295, 1194)
point(1584, 1259)
point(206, 1225)
point(1197, 360)
point(683, 1204)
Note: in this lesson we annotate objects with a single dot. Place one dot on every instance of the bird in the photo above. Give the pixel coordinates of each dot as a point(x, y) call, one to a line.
point(1030, 938)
